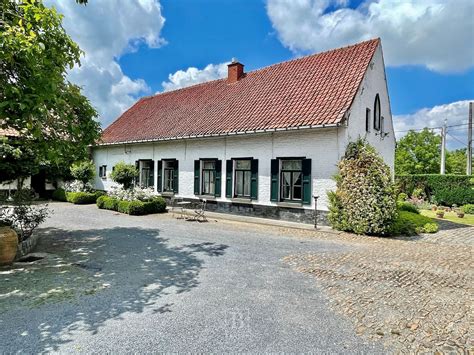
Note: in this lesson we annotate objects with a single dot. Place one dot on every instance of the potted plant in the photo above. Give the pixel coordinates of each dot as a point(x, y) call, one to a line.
point(460, 213)
point(8, 241)
point(440, 213)
point(434, 207)
point(447, 209)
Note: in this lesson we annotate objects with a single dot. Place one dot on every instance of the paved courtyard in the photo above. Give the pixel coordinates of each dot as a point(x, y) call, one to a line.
point(117, 283)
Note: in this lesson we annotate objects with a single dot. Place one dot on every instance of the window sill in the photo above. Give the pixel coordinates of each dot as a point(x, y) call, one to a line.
point(207, 197)
point(167, 193)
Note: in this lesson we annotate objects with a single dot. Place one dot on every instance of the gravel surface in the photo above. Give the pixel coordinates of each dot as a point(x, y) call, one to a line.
point(120, 284)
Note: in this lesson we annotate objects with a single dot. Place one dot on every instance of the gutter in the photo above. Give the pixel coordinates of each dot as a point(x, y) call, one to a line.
point(210, 135)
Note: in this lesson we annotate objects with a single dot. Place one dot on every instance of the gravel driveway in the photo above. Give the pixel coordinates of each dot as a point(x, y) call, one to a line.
point(120, 284)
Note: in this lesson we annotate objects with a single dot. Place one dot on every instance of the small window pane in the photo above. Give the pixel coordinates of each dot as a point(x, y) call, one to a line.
point(239, 183)
point(297, 192)
point(247, 182)
point(291, 164)
point(169, 164)
point(286, 183)
point(242, 164)
point(208, 165)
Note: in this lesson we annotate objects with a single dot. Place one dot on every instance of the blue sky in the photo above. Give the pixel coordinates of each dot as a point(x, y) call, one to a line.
point(133, 47)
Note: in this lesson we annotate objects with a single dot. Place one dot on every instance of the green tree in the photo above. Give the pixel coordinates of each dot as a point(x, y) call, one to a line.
point(124, 174)
point(456, 162)
point(83, 171)
point(364, 201)
point(418, 153)
point(55, 122)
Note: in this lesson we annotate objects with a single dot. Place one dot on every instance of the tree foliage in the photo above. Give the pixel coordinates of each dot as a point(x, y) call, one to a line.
point(418, 153)
point(54, 121)
point(124, 174)
point(456, 161)
point(83, 171)
point(364, 201)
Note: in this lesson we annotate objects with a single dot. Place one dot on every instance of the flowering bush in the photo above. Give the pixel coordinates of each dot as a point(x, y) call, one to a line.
point(78, 186)
point(134, 193)
point(364, 201)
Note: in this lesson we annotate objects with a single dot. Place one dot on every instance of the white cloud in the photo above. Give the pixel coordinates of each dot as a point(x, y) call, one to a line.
point(105, 30)
point(456, 114)
point(192, 76)
point(434, 33)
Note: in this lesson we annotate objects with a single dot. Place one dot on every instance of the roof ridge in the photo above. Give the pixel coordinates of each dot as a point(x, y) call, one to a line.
point(263, 68)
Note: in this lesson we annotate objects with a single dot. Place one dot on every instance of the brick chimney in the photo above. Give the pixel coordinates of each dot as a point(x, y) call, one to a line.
point(235, 71)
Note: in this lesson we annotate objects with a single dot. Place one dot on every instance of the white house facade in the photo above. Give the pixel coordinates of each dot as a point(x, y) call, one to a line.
point(266, 153)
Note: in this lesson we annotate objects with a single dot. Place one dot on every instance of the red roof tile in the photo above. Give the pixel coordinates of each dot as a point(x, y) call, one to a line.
point(309, 91)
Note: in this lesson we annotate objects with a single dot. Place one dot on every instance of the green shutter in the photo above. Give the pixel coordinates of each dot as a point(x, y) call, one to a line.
point(307, 181)
point(176, 177)
point(197, 170)
point(275, 167)
point(136, 181)
point(254, 180)
point(218, 178)
point(151, 177)
point(228, 178)
point(159, 183)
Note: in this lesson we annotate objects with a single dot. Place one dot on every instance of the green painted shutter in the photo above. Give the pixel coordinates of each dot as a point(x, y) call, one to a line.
point(136, 181)
point(151, 177)
point(275, 167)
point(197, 170)
point(254, 179)
point(218, 177)
point(176, 177)
point(160, 179)
point(228, 178)
point(306, 181)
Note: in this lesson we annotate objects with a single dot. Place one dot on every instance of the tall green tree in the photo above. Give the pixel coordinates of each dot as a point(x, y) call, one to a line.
point(54, 121)
point(418, 153)
point(456, 162)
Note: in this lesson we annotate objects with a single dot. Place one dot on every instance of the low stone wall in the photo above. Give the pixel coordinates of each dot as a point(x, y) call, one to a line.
point(291, 214)
point(26, 246)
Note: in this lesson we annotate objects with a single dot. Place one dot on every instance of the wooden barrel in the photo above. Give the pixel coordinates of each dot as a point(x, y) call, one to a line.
point(8, 245)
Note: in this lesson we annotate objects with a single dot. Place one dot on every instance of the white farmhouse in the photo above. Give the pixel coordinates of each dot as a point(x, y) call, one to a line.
point(261, 143)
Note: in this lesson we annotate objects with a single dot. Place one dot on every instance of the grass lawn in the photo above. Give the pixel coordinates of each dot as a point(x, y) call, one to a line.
point(451, 216)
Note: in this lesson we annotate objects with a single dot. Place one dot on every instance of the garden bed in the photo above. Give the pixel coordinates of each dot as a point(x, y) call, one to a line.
point(134, 207)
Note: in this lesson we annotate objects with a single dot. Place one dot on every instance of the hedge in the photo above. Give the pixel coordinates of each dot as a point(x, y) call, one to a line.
point(59, 195)
point(409, 223)
point(407, 206)
point(135, 208)
point(83, 198)
point(442, 189)
point(454, 196)
point(469, 208)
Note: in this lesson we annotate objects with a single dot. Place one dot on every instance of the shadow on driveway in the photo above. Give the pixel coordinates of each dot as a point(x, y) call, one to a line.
point(93, 276)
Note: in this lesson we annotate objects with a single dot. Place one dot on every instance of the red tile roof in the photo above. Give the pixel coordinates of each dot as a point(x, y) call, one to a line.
point(310, 91)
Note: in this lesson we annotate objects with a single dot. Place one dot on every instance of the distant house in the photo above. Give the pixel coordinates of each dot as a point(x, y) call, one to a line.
point(261, 143)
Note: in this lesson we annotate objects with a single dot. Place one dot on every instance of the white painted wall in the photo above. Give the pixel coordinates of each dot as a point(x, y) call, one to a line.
point(320, 145)
point(374, 83)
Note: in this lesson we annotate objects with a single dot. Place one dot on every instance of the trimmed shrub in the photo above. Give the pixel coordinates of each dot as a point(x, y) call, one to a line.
point(407, 206)
point(124, 174)
point(469, 208)
point(59, 195)
point(123, 206)
point(364, 202)
point(83, 171)
point(156, 205)
point(454, 196)
point(111, 204)
point(409, 223)
point(101, 201)
point(431, 183)
point(137, 208)
point(83, 198)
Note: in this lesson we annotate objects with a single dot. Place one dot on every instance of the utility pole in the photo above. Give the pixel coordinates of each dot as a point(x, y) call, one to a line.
point(443, 148)
point(469, 142)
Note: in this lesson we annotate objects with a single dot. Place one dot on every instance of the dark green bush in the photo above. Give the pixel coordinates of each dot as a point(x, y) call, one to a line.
point(407, 206)
point(124, 174)
point(83, 198)
point(454, 196)
point(409, 223)
point(156, 205)
point(101, 201)
point(431, 183)
point(469, 208)
point(59, 195)
point(137, 208)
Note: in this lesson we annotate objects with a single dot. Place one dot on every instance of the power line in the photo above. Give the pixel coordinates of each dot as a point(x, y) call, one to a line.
point(457, 139)
point(421, 129)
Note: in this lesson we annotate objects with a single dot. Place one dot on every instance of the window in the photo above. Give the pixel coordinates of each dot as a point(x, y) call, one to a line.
point(168, 175)
point(377, 113)
point(243, 176)
point(291, 175)
point(382, 126)
point(367, 119)
point(208, 178)
point(103, 171)
point(145, 167)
